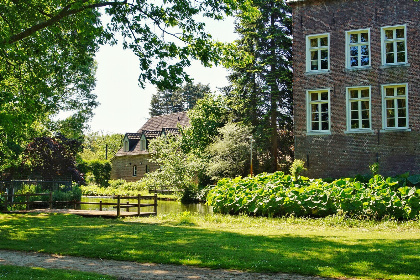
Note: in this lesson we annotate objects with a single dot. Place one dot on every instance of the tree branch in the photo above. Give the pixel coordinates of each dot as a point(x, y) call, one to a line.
point(65, 12)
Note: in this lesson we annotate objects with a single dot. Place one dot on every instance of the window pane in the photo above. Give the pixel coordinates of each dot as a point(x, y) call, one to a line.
point(314, 55)
point(365, 92)
point(314, 65)
point(365, 60)
point(354, 93)
point(390, 104)
point(390, 58)
point(354, 105)
point(364, 50)
point(401, 57)
point(365, 114)
point(400, 32)
point(354, 124)
point(354, 38)
point(391, 123)
point(389, 34)
point(354, 115)
point(324, 95)
point(314, 96)
point(402, 122)
point(324, 41)
point(365, 124)
point(365, 105)
point(390, 113)
point(354, 51)
point(354, 62)
point(315, 117)
point(324, 64)
point(402, 113)
point(325, 125)
point(400, 47)
point(314, 108)
point(324, 107)
point(315, 125)
point(389, 92)
point(324, 54)
point(401, 91)
point(314, 43)
point(389, 47)
point(364, 37)
point(401, 103)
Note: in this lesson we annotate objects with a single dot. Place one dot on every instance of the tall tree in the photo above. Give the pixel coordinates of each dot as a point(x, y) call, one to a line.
point(261, 90)
point(47, 54)
point(178, 100)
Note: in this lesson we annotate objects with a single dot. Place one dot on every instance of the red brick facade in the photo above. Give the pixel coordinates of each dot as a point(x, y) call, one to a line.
point(339, 150)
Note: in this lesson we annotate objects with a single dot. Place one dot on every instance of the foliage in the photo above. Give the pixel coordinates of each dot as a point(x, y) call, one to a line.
point(47, 61)
point(96, 145)
point(374, 168)
point(53, 157)
point(209, 114)
point(229, 153)
point(178, 100)
point(335, 247)
point(261, 83)
point(100, 170)
point(297, 167)
point(177, 170)
point(279, 195)
point(116, 187)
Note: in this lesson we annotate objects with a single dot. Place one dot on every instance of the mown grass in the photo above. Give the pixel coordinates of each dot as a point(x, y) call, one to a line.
point(329, 247)
point(18, 273)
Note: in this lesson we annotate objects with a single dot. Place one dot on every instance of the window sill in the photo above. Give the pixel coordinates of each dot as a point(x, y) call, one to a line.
point(359, 131)
point(316, 133)
point(351, 69)
point(395, 130)
point(317, 72)
point(386, 66)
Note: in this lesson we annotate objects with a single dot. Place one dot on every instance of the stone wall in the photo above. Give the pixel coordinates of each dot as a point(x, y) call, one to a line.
point(341, 153)
point(122, 167)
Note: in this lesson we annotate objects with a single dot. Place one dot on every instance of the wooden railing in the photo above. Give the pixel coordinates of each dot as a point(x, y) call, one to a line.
point(118, 204)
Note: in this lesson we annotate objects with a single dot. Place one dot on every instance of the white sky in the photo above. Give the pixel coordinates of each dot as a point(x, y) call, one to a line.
point(124, 105)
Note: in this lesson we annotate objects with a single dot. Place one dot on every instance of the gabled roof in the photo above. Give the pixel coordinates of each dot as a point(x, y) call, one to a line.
point(153, 128)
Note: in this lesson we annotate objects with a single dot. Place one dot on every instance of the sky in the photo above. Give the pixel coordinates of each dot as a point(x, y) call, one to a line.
point(124, 105)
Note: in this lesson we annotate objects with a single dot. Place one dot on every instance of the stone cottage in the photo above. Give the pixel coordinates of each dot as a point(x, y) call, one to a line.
point(132, 161)
point(356, 86)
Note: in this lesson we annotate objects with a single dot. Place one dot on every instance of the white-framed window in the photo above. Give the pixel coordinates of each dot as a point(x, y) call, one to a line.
point(394, 45)
point(395, 106)
point(134, 170)
point(126, 145)
point(359, 108)
point(318, 111)
point(318, 52)
point(143, 143)
point(358, 48)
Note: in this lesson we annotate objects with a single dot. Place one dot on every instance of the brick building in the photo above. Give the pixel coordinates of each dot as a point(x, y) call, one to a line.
point(132, 161)
point(356, 86)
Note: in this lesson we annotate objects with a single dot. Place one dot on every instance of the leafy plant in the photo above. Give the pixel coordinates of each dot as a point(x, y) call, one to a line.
point(298, 166)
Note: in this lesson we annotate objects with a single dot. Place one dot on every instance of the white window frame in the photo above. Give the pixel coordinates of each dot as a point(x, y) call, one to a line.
point(395, 98)
point(359, 99)
point(394, 41)
point(126, 144)
point(309, 102)
point(134, 170)
point(143, 143)
point(359, 44)
point(318, 49)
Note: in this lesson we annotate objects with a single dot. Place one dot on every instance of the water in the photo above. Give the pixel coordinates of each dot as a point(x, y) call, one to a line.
point(164, 207)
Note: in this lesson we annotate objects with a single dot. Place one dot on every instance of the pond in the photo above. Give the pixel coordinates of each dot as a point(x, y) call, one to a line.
point(164, 207)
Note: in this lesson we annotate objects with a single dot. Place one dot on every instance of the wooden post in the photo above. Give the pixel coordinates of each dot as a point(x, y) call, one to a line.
point(6, 198)
point(27, 201)
point(100, 205)
point(51, 200)
point(128, 209)
point(155, 206)
point(138, 205)
point(118, 206)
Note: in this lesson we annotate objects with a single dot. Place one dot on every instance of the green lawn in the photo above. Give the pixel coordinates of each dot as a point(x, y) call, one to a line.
point(18, 273)
point(334, 247)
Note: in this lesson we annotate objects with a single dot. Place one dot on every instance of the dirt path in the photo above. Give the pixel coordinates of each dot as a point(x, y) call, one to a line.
point(130, 270)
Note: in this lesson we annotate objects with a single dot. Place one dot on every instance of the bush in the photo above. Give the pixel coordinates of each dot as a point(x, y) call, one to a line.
point(100, 169)
point(280, 195)
point(115, 187)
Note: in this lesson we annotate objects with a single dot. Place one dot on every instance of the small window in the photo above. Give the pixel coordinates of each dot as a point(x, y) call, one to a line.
point(395, 106)
point(134, 170)
point(394, 45)
point(318, 53)
point(143, 143)
point(358, 49)
point(358, 109)
point(126, 145)
point(318, 111)
point(147, 169)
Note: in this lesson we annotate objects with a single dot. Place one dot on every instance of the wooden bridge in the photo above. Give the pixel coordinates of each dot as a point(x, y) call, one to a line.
point(9, 202)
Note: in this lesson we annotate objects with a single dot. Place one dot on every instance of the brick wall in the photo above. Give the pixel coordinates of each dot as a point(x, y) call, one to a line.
point(122, 167)
point(340, 153)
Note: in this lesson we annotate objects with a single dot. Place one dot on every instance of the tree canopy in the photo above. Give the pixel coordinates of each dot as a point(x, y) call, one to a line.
point(47, 53)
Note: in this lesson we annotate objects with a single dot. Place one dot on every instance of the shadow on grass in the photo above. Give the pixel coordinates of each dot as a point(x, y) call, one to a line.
point(115, 239)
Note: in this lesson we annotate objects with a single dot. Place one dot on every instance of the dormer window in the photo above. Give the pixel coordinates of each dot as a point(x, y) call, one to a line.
point(126, 144)
point(143, 143)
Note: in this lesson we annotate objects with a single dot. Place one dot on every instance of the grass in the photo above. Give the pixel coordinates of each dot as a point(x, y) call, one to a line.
point(17, 273)
point(329, 247)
